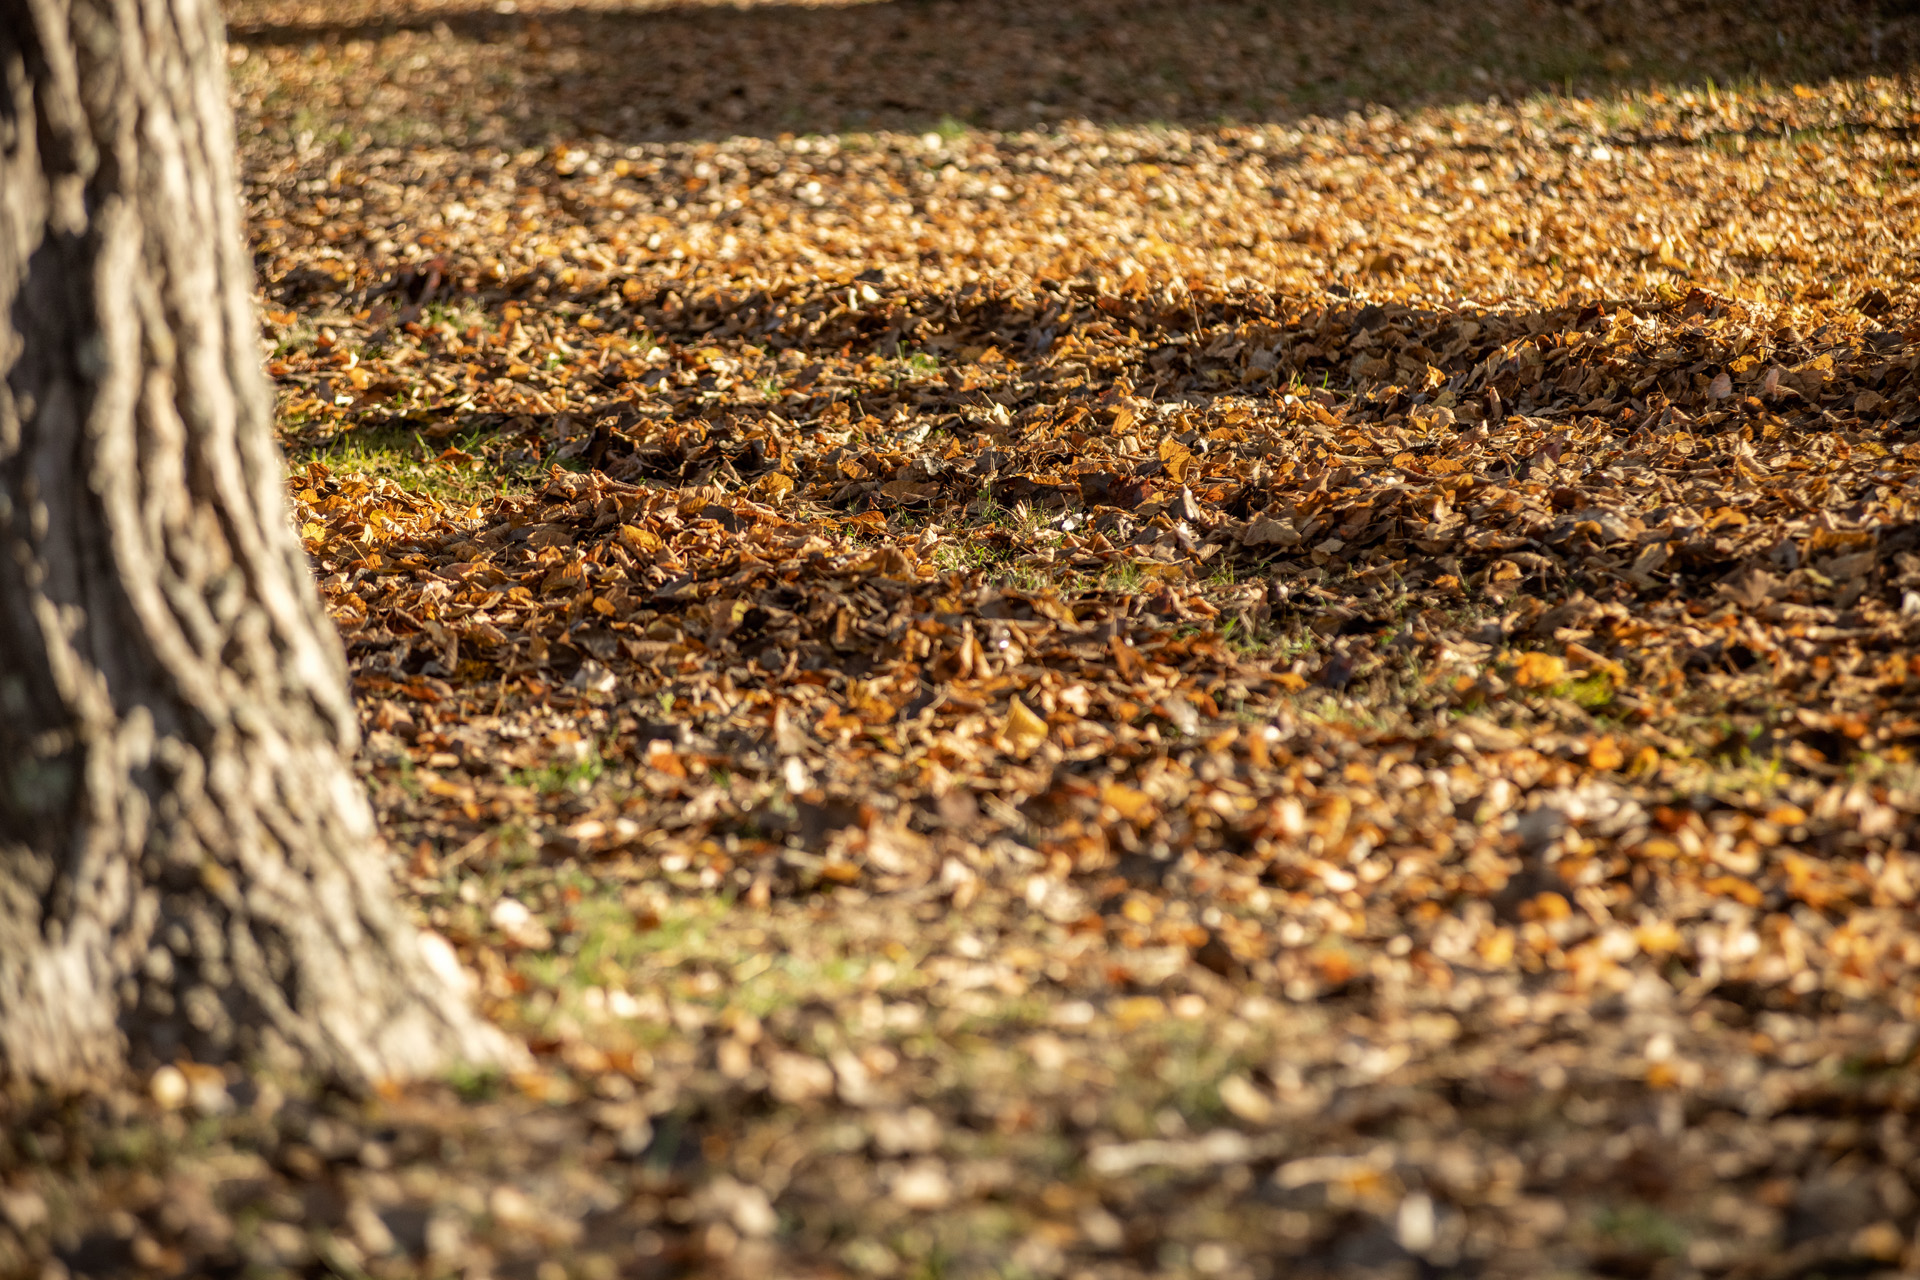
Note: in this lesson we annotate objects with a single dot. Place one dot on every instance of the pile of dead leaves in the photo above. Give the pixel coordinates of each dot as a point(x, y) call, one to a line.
point(1330, 694)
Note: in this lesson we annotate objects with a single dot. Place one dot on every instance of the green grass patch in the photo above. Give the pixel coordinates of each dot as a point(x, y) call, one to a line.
point(1592, 693)
point(412, 461)
point(558, 776)
point(1643, 1229)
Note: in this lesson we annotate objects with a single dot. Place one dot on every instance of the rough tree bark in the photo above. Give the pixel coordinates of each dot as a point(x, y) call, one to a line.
point(187, 863)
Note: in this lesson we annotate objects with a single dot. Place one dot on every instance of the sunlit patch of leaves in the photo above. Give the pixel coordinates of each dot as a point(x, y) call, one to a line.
point(1224, 684)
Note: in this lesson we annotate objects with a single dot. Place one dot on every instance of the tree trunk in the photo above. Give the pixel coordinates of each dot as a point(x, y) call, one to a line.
point(187, 863)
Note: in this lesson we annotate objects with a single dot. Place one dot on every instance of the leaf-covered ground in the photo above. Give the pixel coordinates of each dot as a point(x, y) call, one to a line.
point(1095, 639)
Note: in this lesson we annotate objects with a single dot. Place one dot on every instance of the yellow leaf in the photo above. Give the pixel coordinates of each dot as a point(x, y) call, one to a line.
point(1536, 670)
point(448, 790)
point(1131, 805)
point(1605, 753)
point(1546, 906)
point(313, 531)
point(644, 541)
point(1138, 1010)
point(1024, 730)
point(1657, 938)
point(1497, 947)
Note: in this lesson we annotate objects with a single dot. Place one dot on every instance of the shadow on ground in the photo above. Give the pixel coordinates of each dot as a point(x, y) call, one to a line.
point(686, 70)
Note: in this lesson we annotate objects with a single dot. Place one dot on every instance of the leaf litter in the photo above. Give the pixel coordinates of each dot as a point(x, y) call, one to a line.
point(1018, 657)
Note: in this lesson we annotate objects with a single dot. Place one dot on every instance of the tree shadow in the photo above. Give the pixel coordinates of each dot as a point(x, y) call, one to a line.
point(688, 70)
